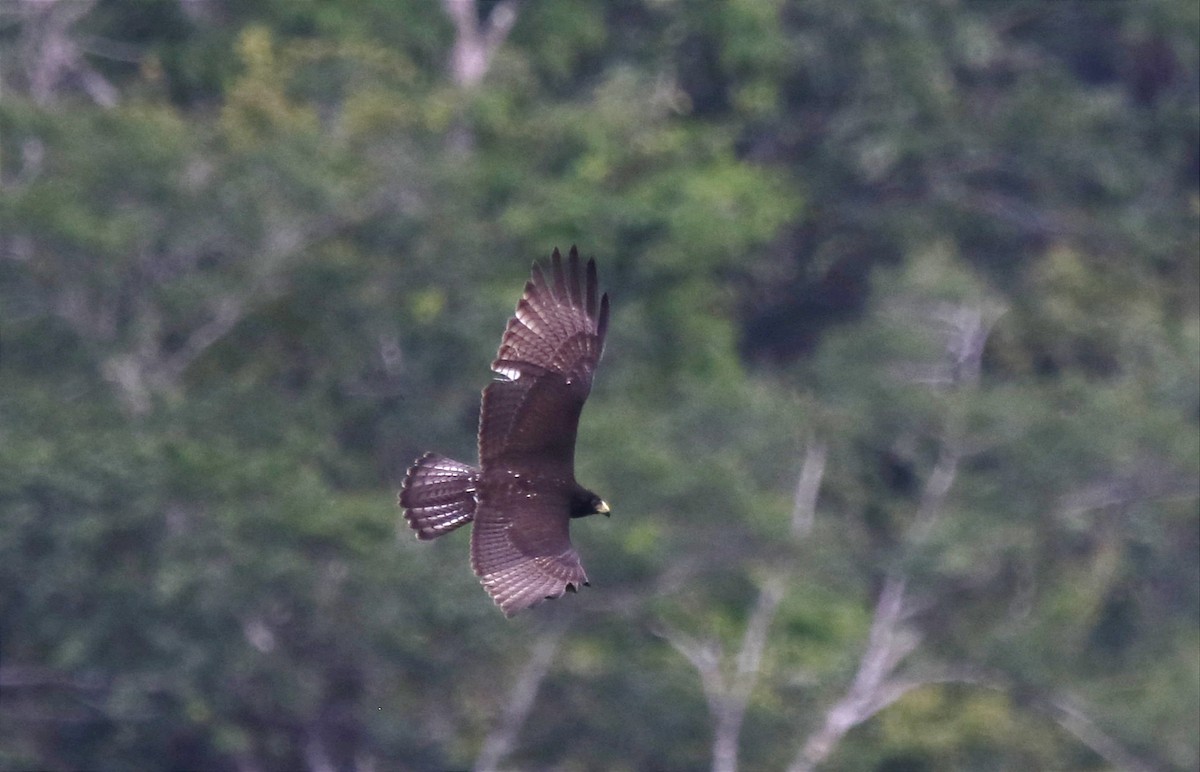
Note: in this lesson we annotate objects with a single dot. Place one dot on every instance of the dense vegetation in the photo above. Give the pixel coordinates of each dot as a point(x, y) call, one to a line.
point(900, 417)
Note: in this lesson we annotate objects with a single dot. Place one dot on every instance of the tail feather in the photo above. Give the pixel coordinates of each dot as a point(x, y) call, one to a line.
point(438, 495)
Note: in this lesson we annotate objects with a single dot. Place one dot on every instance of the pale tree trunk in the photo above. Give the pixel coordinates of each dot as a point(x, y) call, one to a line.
point(891, 640)
point(872, 689)
point(475, 44)
point(1068, 715)
point(728, 695)
point(50, 56)
point(471, 56)
point(876, 684)
point(500, 742)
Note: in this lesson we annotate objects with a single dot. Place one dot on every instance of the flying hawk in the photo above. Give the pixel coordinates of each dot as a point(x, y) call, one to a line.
point(523, 494)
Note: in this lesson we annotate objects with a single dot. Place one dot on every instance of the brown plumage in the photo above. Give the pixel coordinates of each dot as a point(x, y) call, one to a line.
point(523, 494)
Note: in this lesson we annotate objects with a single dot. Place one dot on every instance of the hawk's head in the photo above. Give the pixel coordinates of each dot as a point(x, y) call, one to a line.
point(584, 503)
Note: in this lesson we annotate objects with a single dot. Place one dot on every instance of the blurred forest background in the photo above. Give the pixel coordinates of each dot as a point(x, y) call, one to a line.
point(899, 419)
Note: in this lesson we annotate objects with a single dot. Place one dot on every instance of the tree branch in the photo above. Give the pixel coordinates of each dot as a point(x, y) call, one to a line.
point(808, 485)
point(1060, 708)
point(729, 696)
point(50, 55)
point(890, 640)
point(503, 738)
point(36, 678)
point(1071, 718)
point(474, 47)
point(888, 643)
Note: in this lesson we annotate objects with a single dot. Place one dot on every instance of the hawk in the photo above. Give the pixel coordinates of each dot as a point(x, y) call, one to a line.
point(523, 494)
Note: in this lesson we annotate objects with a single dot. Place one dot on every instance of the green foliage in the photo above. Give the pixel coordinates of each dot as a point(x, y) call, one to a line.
point(236, 304)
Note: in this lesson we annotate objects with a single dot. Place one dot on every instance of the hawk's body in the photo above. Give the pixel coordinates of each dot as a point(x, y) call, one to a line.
point(523, 494)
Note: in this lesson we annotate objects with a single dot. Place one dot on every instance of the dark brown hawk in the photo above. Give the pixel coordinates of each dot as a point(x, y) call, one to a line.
point(523, 494)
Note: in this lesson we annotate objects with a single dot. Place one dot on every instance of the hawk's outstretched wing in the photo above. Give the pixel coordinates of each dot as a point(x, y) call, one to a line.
point(547, 357)
point(520, 546)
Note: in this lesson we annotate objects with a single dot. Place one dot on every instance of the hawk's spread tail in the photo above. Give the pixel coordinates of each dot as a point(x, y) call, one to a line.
point(438, 495)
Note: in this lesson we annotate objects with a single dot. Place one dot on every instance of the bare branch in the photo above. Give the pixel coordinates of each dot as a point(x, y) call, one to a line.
point(937, 488)
point(1062, 709)
point(969, 330)
point(891, 640)
point(51, 56)
point(503, 738)
point(1071, 718)
point(754, 641)
point(729, 696)
point(144, 368)
point(804, 505)
point(1118, 492)
point(888, 643)
point(705, 656)
point(728, 720)
point(475, 47)
point(32, 677)
point(227, 312)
